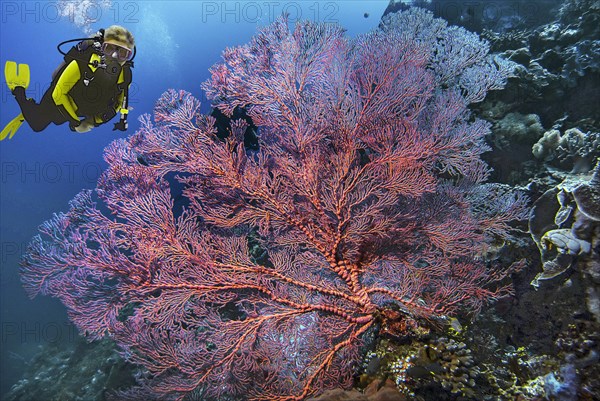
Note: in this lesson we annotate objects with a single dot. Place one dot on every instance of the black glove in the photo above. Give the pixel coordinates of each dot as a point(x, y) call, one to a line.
point(121, 125)
point(74, 124)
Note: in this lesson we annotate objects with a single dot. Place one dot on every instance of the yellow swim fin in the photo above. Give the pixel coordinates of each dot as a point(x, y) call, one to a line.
point(11, 128)
point(16, 77)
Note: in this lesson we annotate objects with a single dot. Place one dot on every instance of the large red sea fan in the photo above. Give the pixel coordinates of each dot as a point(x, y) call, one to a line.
point(229, 274)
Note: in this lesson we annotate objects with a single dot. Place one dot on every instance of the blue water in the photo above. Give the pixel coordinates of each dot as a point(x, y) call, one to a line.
point(177, 42)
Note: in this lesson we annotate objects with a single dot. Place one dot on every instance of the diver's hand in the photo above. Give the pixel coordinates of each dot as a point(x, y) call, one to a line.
point(121, 126)
point(73, 125)
point(84, 126)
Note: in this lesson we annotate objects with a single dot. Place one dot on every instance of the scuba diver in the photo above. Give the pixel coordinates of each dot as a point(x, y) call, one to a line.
point(87, 89)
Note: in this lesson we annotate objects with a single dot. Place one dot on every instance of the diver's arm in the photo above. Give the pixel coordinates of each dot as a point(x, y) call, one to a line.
point(118, 104)
point(122, 106)
point(65, 83)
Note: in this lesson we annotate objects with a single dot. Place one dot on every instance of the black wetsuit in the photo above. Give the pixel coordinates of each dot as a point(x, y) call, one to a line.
point(39, 115)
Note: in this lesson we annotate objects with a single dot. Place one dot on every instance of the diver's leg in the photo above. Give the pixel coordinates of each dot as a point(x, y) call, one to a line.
point(31, 110)
point(38, 116)
point(51, 110)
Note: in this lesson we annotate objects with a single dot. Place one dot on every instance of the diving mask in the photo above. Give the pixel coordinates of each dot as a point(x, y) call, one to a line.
point(115, 51)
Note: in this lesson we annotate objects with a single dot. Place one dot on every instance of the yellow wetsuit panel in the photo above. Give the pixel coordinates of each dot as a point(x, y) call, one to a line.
point(65, 83)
